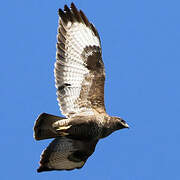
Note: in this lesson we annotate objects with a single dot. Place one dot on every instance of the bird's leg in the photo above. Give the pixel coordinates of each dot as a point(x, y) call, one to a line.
point(61, 126)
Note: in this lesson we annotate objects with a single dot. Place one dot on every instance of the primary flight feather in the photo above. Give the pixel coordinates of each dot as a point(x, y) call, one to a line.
point(79, 76)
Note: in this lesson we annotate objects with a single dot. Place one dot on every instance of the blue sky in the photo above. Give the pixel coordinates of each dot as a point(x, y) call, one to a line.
point(141, 52)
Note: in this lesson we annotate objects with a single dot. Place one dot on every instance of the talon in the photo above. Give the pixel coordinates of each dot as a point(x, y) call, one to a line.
point(63, 128)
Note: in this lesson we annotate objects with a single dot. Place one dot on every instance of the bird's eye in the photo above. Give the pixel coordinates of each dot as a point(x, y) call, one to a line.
point(123, 121)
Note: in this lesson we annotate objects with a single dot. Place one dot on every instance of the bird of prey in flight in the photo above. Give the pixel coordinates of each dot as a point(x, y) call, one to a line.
point(79, 78)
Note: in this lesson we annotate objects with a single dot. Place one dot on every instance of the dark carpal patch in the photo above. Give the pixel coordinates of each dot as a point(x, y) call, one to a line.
point(92, 57)
point(78, 156)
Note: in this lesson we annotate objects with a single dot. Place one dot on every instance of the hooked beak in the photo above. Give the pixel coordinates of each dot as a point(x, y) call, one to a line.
point(125, 125)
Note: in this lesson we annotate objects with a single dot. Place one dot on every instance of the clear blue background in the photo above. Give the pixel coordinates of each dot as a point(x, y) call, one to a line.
point(141, 52)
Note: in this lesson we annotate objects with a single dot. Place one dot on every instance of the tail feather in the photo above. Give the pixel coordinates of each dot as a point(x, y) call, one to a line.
point(43, 128)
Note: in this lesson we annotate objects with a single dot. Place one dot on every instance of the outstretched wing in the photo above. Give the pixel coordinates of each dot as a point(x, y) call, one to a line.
point(66, 154)
point(79, 69)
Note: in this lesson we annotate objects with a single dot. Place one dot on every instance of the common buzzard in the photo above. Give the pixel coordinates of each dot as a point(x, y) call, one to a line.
point(79, 76)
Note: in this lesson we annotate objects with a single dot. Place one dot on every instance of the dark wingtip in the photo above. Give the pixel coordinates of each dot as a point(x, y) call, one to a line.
point(76, 13)
point(68, 13)
point(73, 6)
point(44, 168)
point(65, 7)
point(85, 19)
point(62, 15)
point(61, 12)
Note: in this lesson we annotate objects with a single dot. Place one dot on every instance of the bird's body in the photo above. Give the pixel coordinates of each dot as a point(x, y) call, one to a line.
point(79, 75)
point(88, 127)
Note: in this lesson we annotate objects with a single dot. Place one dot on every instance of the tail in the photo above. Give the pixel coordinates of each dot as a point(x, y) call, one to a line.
point(43, 128)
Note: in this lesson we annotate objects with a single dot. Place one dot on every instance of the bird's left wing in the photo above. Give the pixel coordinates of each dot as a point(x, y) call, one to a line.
point(79, 69)
point(66, 154)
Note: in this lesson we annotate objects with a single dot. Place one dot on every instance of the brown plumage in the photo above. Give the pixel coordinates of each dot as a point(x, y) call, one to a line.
point(79, 75)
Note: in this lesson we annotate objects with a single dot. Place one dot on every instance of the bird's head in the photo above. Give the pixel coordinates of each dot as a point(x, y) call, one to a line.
point(121, 123)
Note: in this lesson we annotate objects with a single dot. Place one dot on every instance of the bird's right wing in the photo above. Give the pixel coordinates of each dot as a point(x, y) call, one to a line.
point(66, 154)
point(79, 69)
